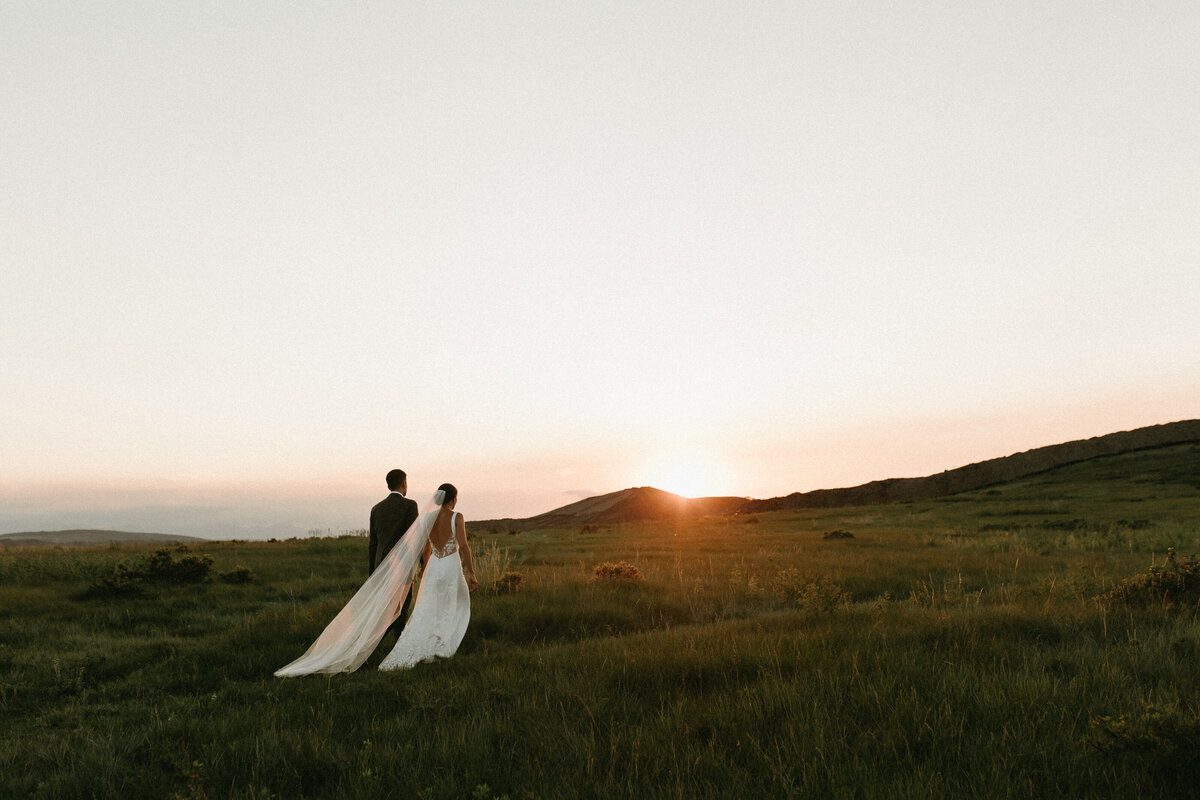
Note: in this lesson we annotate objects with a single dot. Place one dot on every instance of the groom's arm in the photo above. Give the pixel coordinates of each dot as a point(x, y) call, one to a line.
point(410, 516)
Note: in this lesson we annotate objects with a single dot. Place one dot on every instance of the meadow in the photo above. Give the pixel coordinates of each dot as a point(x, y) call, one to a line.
point(955, 647)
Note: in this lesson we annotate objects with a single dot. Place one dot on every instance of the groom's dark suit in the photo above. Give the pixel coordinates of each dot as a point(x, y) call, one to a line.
point(390, 518)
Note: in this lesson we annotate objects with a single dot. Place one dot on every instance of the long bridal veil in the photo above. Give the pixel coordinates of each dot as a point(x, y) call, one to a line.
point(354, 633)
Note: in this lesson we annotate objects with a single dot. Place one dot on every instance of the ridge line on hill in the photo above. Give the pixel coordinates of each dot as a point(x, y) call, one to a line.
point(643, 503)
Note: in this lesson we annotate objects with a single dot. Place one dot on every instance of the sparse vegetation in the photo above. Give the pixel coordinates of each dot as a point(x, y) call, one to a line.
point(1162, 740)
point(159, 567)
point(237, 575)
point(508, 583)
point(1172, 585)
point(925, 657)
point(620, 572)
point(817, 595)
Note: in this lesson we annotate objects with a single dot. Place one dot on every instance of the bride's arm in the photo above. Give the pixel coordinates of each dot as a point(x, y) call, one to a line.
point(467, 560)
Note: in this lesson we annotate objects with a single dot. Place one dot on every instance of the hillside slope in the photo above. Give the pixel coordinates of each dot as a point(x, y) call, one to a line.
point(985, 473)
point(627, 505)
point(646, 503)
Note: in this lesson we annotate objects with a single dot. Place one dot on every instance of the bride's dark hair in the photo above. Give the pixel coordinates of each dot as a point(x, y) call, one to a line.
point(451, 493)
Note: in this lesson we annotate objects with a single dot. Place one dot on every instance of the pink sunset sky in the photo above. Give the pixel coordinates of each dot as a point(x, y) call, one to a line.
point(255, 255)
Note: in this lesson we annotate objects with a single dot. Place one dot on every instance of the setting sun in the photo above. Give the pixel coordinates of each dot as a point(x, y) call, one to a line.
point(687, 474)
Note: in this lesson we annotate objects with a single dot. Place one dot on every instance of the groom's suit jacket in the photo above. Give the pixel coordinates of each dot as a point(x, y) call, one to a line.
point(390, 518)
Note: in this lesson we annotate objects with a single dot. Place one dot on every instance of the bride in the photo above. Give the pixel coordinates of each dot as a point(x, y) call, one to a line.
point(443, 605)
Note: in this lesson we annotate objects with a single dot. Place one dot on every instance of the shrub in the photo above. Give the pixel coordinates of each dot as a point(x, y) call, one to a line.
point(237, 575)
point(817, 595)
point(121, 582)
point(621, 572)
point(748, 586)
point(1175, 583)
point(508, 583)
point(162, 567)
point(159, 567)
point(1166, 739)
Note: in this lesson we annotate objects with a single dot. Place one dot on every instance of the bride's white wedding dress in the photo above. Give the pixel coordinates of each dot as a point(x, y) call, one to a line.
point(443, 608)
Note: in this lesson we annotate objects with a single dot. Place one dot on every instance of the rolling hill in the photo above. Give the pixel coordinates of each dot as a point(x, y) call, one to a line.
point(627, 505)
point(86, 538)
point(646, 503)
point(985, 473)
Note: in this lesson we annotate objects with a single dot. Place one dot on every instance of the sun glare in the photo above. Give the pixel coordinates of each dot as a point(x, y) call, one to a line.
point(688, 475)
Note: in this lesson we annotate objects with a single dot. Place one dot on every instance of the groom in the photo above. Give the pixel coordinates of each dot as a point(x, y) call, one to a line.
point(390, 518)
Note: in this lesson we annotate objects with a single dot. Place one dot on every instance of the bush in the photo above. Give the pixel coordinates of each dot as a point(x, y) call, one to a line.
point(1174, 584)
point(817, 595)
point(162, 567)
point(1166, 739)
point(237, 575)
point(621, 572)
point(121, 582)
point(159, 567)
point(508, 583)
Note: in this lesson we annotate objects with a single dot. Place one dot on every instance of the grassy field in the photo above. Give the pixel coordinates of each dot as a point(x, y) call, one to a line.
point(947, 648)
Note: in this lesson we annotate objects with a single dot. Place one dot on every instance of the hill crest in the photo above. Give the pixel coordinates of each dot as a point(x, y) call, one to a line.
point(986, 473)
point(647, 503)
point(636, 504)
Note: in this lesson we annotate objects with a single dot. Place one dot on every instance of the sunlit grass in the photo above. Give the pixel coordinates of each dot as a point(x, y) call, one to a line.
point(947, 648)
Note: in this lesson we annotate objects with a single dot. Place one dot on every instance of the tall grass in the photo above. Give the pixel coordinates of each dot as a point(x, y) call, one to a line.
point(933, 654)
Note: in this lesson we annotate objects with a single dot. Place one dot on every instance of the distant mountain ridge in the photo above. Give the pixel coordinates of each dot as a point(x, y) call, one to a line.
point(86, 538)
point(646, 503)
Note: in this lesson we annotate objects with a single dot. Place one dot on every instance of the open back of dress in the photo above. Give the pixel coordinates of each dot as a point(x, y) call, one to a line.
point(442, 611)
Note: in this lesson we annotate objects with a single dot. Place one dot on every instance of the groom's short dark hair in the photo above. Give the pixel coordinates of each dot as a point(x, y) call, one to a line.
point(395, 479)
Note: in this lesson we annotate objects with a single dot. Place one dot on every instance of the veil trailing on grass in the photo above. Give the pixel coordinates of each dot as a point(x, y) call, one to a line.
point(354, 633)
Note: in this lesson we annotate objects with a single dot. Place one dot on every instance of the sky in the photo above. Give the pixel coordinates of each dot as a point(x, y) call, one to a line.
point(254, 255)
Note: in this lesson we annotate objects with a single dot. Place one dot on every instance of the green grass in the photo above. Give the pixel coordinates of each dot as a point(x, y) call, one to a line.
point(971, 659)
